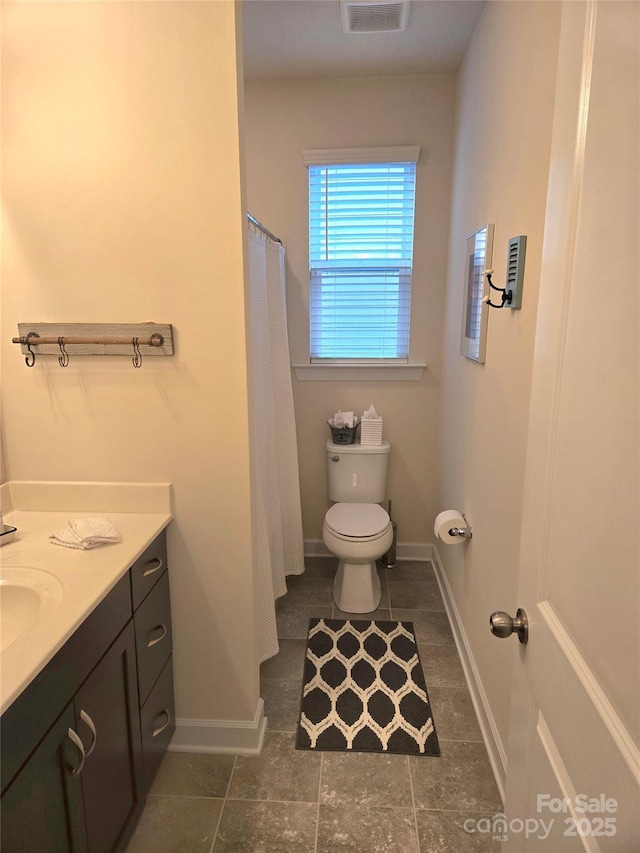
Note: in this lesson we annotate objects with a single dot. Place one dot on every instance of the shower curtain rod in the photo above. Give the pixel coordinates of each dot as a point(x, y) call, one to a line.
point(264, 230)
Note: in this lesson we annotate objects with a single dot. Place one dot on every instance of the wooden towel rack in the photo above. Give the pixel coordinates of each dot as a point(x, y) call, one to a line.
point(66, 339)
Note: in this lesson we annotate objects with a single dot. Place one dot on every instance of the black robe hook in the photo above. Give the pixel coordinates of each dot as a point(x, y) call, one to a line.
point(137, 355)
point(506, 294)
point(63, 358)
point(30, 360)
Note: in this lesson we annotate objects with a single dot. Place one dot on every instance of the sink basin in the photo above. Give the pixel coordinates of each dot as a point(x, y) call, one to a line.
point(27, 595)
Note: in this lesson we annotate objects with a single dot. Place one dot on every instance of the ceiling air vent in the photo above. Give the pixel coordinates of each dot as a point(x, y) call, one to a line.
point(374, 16)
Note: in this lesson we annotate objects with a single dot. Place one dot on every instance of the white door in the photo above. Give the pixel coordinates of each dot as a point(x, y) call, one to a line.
point(573, 758)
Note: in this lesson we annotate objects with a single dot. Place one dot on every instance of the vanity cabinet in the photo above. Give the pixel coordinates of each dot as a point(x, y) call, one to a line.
point(154, 643)
point(47, 807)
point(76, 766)
point(111, 773)
point(42, 809)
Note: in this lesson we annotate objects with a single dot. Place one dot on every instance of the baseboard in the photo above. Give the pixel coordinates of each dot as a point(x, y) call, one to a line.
point(236, 737)
point(417, 551)
point(492, 740)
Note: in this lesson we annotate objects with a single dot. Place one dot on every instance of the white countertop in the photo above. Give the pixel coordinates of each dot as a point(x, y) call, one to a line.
point(84, 579)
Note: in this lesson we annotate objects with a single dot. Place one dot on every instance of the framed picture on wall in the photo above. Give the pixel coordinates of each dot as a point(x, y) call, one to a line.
point(475, 311)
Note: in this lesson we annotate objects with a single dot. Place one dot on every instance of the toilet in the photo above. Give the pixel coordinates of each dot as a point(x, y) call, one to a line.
point(356, 529)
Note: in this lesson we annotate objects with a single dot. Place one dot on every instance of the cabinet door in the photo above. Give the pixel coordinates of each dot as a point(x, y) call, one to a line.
point(42, 808)
point(108, 703)
point(27, 720)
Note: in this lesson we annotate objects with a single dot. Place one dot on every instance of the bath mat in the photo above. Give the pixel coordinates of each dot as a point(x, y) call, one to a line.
point(364, 689)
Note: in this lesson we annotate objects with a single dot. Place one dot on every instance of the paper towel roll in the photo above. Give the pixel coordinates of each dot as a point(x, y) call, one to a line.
point(444, 522)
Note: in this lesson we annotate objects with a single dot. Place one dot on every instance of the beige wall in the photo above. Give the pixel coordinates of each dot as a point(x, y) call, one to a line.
point(122, 203)
point(283, 117)
point(505, 101)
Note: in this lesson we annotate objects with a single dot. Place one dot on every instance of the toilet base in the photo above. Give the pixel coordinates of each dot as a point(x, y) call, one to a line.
point(356, 588)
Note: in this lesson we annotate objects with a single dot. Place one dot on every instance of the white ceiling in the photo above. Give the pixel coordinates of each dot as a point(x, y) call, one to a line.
point(304, 38)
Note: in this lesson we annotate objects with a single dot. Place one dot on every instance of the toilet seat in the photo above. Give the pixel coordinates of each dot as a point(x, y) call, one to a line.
point(357, 521)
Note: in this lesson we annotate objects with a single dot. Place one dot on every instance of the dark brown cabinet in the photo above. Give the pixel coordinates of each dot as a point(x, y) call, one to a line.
point(76, 765)
point(154, 643)
point(112, 770)
point(157, 724)
point(42, 809)
point(153, 636)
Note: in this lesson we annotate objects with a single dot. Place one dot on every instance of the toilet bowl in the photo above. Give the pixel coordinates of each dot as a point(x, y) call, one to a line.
point(357, 534)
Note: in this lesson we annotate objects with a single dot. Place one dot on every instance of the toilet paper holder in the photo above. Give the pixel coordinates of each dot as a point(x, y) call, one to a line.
point(463, 532)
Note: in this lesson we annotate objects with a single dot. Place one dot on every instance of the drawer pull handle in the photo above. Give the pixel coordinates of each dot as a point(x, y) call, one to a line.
point(153, 566)
point(161, 728)
point(75, 739)
point(87, 719)
point(163, 634)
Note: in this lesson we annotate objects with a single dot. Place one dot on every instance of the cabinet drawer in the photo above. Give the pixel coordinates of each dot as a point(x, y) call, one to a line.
point(153, 635)
point(148, 568)
point(157, 723)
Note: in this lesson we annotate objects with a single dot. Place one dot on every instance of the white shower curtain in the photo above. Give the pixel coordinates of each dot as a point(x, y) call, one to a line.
point(273, 435)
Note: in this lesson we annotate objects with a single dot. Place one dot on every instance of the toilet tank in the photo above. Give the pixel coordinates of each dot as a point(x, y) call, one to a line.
point(359, 473)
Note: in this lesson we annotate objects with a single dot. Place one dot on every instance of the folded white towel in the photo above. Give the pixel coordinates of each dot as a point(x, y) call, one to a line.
point(94, 530)
point(67, 538)
point(86, 533)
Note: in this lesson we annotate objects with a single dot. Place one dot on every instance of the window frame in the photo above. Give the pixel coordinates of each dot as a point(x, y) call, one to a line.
point(362, 367)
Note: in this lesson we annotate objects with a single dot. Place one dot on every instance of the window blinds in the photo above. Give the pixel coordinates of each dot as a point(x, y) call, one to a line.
point(361, 252)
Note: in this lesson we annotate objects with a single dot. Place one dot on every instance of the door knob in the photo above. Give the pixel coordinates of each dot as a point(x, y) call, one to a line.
point(503, 625)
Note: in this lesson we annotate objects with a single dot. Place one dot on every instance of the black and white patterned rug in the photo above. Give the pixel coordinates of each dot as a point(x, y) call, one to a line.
point(364, 689)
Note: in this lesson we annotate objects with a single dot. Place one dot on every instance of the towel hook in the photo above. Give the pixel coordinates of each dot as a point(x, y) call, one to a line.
point(63, 358)
point(30, 360)
point(137, 355)
point(507, 295)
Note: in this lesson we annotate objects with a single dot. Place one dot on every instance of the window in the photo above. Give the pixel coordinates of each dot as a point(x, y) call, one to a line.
point(361, 214)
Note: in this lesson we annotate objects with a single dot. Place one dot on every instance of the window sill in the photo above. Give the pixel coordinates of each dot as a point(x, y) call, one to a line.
point(358, 372)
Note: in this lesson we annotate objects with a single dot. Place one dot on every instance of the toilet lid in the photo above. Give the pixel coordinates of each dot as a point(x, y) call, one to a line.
point(357, 520)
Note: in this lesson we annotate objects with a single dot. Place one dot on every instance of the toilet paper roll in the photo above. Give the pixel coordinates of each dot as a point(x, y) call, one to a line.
point(444, 522)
